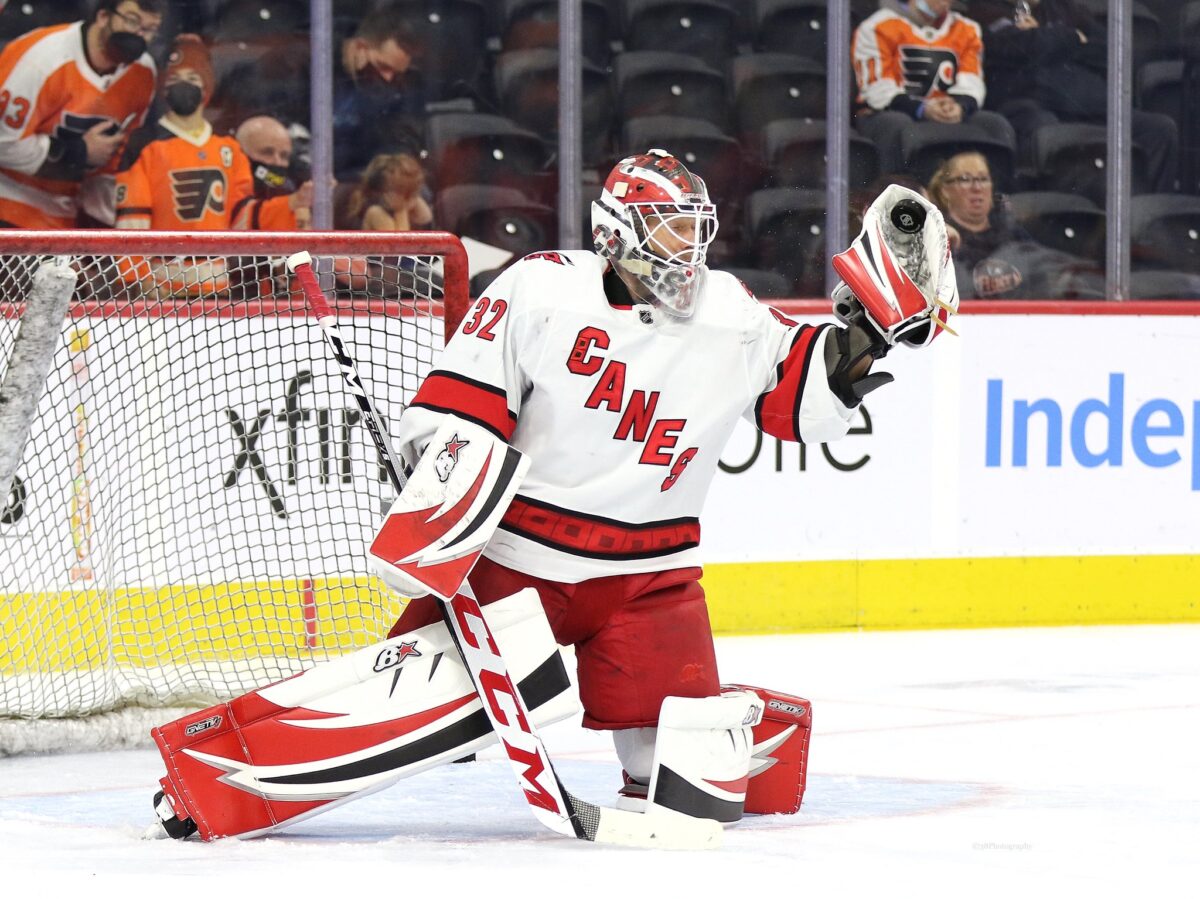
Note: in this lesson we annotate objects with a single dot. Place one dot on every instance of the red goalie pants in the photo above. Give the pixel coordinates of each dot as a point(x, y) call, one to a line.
point(638, 637)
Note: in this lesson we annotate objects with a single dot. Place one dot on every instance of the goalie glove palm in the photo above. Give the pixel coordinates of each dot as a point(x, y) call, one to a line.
point(897, 276)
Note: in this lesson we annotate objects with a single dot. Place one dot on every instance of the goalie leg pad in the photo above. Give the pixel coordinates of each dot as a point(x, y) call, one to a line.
point(779, 766)
point(702, 755)
point(352, 726)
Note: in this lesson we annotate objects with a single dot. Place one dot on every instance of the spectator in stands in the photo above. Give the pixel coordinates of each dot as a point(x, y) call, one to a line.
point(71, 95)
point(378, 103)
point(919, 65)
point(389, 196)
point(278, 204)
point(177, 174)
point(993, 250)
point(1047, 61)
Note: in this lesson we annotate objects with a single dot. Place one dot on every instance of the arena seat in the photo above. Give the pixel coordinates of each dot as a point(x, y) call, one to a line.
point(651, 82)
point(770, 86)
point(1165, 230)
point(793, 26)
point(1066, 222)
point(1160, 88)
point(20, 18)
point(527, 85)
point(498, 216)
point(700, 145)
point(1149, 36)
point(703, 28)
point(453, 39)
point(762, 283)
point(1073, 158)
point(1164, 285)
point(466, 148)
point(530, 24)
point(785, 233)
point(259, 20)
point(928, 147)
point(794, 150)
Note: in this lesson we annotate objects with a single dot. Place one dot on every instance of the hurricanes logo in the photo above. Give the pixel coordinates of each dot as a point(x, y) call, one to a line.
point(928, 69)
point(197, 190)
point(448, 458)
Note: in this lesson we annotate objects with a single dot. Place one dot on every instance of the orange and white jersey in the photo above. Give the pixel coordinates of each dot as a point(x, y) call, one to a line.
point(48, 88)
point(894, 55)
point(183, 182)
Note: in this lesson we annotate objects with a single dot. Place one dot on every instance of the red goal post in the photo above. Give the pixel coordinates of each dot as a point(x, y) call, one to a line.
point(191, 502)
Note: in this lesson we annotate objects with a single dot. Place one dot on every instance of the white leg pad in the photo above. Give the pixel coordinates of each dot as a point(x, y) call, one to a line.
point(702, 755)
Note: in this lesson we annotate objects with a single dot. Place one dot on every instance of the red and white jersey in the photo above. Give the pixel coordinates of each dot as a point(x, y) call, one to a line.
point(47, 86)
point(623, 410)
point(894, 55)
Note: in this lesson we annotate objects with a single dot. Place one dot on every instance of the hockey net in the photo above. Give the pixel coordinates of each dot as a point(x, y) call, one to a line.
point(191, 502)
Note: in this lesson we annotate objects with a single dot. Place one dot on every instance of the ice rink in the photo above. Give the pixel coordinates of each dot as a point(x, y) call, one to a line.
point(1058, 761)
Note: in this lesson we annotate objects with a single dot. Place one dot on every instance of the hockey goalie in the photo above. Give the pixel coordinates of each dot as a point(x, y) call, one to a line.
point(560, 455)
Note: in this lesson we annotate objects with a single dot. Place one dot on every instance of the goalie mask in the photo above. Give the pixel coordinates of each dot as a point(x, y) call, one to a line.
point(654, 222)
point(899, 266)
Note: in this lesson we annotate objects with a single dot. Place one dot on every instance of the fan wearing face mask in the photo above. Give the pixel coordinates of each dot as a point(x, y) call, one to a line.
point(70, 96)
point(177, 174)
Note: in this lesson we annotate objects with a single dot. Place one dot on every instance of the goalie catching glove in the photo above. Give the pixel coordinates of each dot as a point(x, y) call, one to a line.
point(897, 286)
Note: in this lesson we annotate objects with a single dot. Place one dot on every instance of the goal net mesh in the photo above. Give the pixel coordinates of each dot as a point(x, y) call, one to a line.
point(191, 506)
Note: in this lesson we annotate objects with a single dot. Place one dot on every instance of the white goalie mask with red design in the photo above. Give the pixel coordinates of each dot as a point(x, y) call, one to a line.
point(899, 268)
point(654, 221)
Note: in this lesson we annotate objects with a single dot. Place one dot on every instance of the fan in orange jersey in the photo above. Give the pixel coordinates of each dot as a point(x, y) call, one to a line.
point(919, 65)
point(278, 204)
point(69, 97)
point(177, 175)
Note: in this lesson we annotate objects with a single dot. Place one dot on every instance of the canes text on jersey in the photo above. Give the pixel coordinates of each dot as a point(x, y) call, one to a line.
point(658, 436)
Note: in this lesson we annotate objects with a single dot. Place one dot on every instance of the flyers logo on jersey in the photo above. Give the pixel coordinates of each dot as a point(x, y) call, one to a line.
point(928, 70)
point(196, 191)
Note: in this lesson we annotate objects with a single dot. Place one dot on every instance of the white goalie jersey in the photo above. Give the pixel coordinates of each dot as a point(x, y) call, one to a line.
point(622, 410)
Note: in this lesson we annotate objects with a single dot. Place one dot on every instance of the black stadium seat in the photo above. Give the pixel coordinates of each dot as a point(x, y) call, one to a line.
point(1160, 285)
point(650, 82)
point(763, 284)
point(703, 28)
point(527, 84)
point(794, 150)
point(258, 20)
point(453, 39)
point(770, 86)
point(529, 24)
point(20, 18)
point(928, 147)
point(498, 216)
point(1160, 88)
point(785, 232)
point(466, 148)
point(792, 26)
point(1065, 222)
point(1165, 229)
point(1074, 158)
point(701, 146)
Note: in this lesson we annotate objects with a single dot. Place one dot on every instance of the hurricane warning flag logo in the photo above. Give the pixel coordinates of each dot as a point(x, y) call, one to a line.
point(444, 464)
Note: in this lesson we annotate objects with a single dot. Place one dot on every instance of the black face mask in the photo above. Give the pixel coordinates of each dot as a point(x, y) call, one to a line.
point(271, 181)
point(124, 46)
point(183, 97)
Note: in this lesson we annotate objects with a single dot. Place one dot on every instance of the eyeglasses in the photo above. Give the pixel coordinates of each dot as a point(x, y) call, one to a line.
point(136, 26)
point(972, 180)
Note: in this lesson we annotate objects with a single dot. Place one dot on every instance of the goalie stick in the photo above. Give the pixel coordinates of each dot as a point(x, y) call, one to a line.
point(551, 803)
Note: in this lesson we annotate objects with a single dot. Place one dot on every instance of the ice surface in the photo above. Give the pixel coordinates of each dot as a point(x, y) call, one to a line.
point(1054, 762)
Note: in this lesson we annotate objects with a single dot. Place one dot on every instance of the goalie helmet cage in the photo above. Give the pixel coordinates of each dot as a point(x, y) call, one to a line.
point(192, 502)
